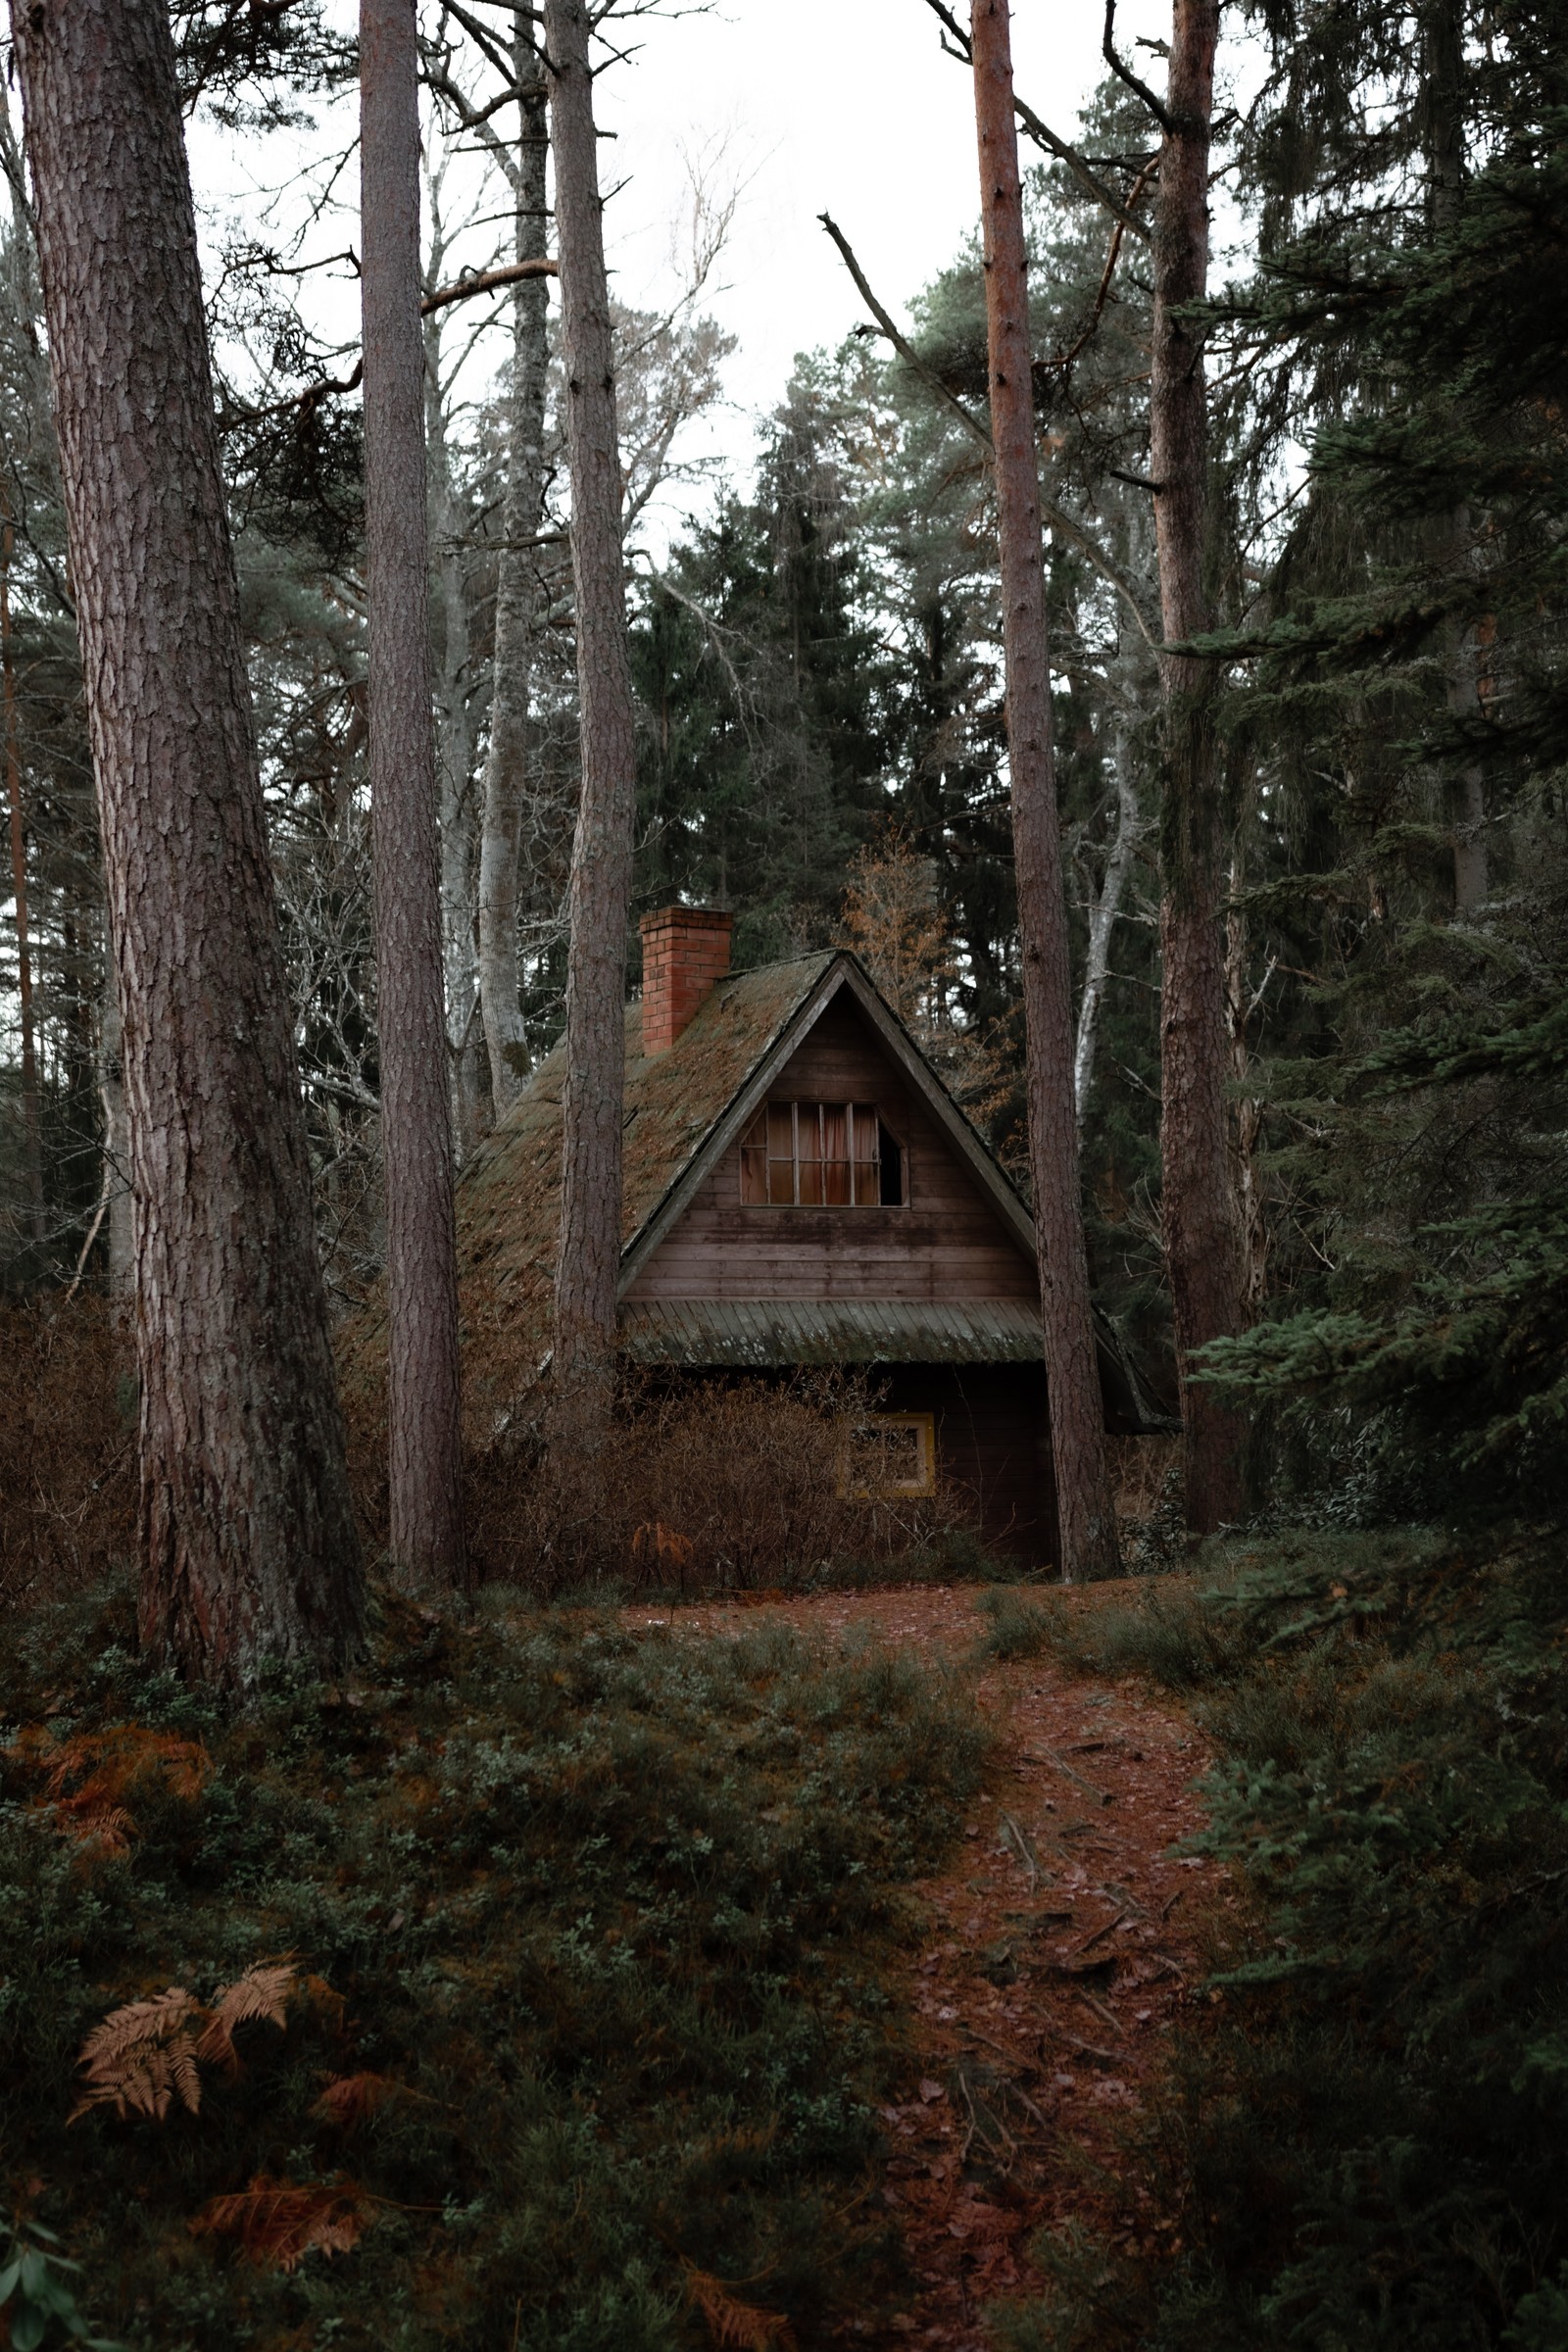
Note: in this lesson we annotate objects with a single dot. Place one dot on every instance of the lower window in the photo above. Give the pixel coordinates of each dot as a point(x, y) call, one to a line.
point(889, 1454)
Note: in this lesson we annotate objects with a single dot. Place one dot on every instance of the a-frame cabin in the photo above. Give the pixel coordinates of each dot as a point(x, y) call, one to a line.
point(800, 1190)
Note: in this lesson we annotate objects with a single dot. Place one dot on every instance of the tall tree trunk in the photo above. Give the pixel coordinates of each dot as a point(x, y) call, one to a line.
point(589, 1263)
point(1246, 1129)
point(1102, 922)
point(454, 744)
point(1199, 1219)
point(248, 1542)
point(505, 768)
point(424, 1438)
point(31, 1120)
point(1085, 1512)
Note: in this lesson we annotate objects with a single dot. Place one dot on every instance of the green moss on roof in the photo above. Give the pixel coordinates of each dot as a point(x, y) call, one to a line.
point(509, 1195)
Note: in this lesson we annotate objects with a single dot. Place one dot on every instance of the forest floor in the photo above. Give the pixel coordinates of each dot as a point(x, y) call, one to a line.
point(1058, 1947)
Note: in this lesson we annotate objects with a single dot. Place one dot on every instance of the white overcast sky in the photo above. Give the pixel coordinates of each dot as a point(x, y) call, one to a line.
point(848, 107)
point(808, 106)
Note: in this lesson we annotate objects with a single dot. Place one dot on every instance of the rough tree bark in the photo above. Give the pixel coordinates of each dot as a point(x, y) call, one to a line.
point(248, 1543)
point(1085, 1512)
point(1202, 1250)
point(505, 768)
point(425, 1436)
point(589, 1262)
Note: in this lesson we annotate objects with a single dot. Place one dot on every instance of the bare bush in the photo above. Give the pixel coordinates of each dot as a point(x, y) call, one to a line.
point(725, 1485)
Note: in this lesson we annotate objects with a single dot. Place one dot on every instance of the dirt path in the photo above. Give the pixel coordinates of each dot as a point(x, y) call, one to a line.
point(1061, 1942)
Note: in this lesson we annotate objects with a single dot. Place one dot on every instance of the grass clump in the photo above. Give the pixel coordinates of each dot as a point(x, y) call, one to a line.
point(1363, 2141)
point(574, 2027)
point(1020, 1628)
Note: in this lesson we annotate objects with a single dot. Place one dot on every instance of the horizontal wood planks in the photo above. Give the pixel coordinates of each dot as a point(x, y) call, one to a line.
point(946, 1245)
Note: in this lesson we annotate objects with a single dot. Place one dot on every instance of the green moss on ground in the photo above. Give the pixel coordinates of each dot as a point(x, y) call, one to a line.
point(608, 1915)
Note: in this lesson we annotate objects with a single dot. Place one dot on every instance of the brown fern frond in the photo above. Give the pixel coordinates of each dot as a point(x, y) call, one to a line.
point(349, 2098)
point(735, 2325)
point(262, 1991)
point(278, 2223)
point(142, 2057)
point(88, 1777)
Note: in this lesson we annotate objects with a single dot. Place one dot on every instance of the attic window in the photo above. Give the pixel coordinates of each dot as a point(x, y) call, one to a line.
point(821, 1156)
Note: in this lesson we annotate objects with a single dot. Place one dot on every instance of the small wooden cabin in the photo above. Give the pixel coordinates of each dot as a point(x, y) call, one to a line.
point(801, 1190)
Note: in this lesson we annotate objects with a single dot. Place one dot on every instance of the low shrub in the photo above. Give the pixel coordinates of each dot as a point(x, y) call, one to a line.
point(721, 1485)
point(538, 1970)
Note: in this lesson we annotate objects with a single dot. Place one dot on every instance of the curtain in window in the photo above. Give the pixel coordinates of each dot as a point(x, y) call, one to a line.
point(781, 1190)
point(864, 1154)
point(835, 1154)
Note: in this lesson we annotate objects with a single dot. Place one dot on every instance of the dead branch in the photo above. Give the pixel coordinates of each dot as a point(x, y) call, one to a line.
point(1044, 136)
point(1058, 519)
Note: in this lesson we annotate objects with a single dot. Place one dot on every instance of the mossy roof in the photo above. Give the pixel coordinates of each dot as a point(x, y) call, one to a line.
point(682, 1108)
point(509, 1194)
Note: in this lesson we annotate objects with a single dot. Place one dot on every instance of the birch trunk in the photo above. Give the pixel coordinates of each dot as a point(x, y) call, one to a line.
point(1199, 1219)
point(1102, 923)
point(425, 1432)
point(455, 746)
point(505, 768)
point(1085, 1512)
point(589, 1263)
point(248, 1543)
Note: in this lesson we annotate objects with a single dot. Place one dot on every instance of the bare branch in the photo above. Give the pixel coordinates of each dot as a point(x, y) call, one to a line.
point(1044, 136)
point(1140, 89)
point(1058, 519)
point(485, 281)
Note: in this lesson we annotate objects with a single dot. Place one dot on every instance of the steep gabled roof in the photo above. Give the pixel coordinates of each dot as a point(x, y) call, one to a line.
point(683, 1110)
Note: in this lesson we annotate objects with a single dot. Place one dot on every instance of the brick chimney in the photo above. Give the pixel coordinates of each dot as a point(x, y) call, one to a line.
point(685, 951)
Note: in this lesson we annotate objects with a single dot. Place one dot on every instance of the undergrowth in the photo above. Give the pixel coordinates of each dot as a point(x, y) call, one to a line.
point(523, 1991)
point(1364, 2141)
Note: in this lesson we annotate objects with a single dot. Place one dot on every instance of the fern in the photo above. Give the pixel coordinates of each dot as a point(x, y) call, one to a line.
point(262, 1991)
point(278, 2223)
point(88, 1777)
point(142, 2057)
point(735, 2325)
point(145, 2055)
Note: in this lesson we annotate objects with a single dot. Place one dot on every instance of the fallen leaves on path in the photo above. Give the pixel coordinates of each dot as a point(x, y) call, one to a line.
point(1059, 1944)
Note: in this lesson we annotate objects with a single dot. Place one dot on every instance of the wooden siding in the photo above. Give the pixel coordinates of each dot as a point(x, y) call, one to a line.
point(946, 1245)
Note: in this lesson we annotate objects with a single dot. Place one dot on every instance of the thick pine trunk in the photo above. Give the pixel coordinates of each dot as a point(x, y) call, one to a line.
point(1201, 1250)
point(425, 1459)
point(1085, 1512)
point(506, 770)
point(587, 1271)
point(248, 1542)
